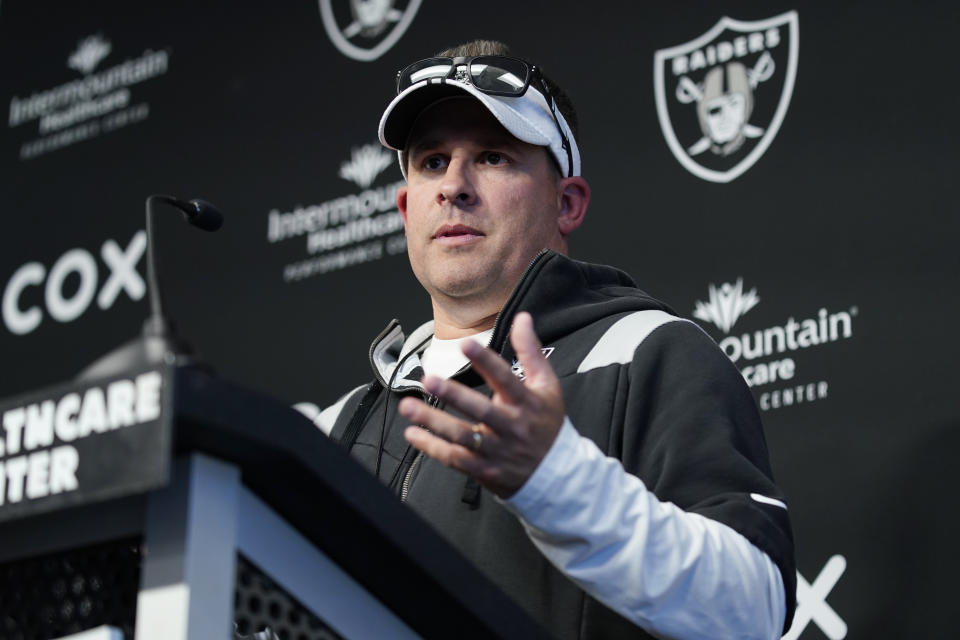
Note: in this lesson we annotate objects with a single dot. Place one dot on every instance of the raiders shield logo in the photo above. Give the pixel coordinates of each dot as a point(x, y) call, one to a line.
point(722, 97)
point(366, 29)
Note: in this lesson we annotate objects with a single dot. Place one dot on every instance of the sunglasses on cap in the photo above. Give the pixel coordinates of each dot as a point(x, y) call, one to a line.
point(493, 75)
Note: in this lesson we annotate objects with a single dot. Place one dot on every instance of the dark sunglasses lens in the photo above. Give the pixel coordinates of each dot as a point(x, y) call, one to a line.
point(502, 75)
point(423, 70)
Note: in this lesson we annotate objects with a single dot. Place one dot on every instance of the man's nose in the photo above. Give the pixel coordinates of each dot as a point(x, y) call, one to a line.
point(457, 184)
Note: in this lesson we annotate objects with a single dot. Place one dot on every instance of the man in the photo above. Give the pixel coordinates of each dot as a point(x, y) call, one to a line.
point(615, 478)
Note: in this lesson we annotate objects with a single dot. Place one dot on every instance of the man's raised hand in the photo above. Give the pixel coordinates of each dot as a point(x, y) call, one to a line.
point(503, 438)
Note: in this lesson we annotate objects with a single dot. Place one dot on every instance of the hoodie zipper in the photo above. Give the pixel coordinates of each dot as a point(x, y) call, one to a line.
point(405, 488)
point(526, 272)
point(433, 401)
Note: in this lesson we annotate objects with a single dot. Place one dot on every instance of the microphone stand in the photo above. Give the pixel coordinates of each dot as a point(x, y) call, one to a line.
point(158, 341)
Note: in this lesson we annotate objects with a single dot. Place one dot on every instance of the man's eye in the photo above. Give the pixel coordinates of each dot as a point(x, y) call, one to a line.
point(433, 163)
point(494, 157)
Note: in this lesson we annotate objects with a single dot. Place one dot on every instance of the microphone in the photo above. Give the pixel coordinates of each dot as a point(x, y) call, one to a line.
point(206, 216)
point(158, 342)
point(197, 212)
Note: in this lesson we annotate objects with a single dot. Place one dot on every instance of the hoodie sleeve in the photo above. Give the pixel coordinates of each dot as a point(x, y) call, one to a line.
point(684, 533)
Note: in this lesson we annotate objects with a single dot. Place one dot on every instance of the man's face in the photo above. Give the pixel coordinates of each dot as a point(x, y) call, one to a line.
point(725, 117)
point(478, 206)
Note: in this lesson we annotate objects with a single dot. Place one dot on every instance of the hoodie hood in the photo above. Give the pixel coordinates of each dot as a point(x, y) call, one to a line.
point(562, 295)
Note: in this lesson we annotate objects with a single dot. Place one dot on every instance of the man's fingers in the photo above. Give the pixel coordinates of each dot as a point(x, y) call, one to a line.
point(472, 404)
point(527, 346)
point(495, 371)
point(446, 453)
point(442, 423)
point(439, 422)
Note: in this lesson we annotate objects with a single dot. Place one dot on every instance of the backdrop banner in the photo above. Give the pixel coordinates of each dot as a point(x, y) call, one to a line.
point(779, 172)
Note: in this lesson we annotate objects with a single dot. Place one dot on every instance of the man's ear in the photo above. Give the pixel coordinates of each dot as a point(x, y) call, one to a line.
point(402, 203)
point(574, 200)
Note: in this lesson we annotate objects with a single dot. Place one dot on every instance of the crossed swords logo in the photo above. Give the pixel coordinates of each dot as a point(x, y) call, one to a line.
point(517, 368)
point(724, 104)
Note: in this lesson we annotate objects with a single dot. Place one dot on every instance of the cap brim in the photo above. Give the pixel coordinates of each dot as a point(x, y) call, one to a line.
point(401, 114)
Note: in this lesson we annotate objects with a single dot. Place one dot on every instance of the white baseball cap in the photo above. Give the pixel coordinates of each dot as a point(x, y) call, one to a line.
point(528, 118)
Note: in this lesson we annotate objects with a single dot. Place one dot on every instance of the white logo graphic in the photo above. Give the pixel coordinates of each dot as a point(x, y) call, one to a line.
point(64, 305)
point(726, 305)
point(765, 356)
point(365, 164)
point(34, 466)
point(83, 108)
point(90, 51)
point(812, 602)
point(517, 368)
point(349, 229)
point(370, 29)
point(713, 83)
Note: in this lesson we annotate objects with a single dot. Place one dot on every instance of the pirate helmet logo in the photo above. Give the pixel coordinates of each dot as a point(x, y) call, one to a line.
point(366, 29)
point(717, 94)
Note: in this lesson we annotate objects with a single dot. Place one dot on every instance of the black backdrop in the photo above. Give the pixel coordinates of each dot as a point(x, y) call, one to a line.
point(849, 210)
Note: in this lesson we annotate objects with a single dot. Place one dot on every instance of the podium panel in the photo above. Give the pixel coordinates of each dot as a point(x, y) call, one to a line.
point(258, 522)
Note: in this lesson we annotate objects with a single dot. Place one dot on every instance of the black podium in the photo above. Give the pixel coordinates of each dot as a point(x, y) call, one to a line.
point(168, 503)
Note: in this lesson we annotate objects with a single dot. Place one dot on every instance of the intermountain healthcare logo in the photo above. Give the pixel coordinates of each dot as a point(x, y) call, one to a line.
point(347, 230)
point(89, 53)
point(365, 164)
point(366, 29)
point(762, 351)
point(726, 305)
point(83, 108)
point(722, 97)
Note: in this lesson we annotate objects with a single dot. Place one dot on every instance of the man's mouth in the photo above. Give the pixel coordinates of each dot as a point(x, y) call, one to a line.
point(456, 231)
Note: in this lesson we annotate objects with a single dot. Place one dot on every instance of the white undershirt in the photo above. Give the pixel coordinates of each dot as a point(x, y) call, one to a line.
point(443, 358)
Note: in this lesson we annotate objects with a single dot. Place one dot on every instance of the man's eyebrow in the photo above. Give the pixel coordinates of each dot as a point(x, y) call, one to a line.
point(502, 141)
point(421, 144)
point(493, 142)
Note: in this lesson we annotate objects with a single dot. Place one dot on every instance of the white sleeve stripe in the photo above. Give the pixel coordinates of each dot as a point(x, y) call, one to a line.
point(623, 337)
point(328, 417)
point(766, 500)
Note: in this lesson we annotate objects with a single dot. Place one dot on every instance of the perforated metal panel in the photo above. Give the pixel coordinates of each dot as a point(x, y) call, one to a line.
point(260, 604)
point(57, 594)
